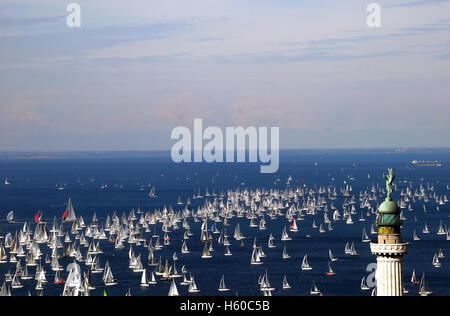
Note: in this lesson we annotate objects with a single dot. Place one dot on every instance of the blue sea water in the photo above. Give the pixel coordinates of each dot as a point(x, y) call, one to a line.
point(34, 186)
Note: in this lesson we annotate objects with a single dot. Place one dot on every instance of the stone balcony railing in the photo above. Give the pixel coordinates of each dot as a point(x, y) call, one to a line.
point(389, 249)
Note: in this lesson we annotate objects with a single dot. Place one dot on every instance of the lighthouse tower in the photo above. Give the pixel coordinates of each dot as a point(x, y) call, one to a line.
point(389, 249)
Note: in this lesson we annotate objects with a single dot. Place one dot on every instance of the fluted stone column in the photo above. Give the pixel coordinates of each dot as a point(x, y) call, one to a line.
point(389, 275)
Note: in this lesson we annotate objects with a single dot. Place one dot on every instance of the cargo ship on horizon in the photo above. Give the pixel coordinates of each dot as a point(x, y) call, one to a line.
point(426, 163)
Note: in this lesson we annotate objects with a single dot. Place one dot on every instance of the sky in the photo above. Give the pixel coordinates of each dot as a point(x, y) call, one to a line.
point(137, 69)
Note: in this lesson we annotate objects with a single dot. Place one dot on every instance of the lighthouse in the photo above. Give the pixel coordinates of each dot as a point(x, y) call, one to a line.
point(389, 248)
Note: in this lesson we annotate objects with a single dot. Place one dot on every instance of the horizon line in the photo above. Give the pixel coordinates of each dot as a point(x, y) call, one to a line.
point(397, 149)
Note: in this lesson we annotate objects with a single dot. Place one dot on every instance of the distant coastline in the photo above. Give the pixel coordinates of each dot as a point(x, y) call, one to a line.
point(163, 153)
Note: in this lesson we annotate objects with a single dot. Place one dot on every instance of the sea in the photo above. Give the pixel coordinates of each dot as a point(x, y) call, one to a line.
point(119, 182)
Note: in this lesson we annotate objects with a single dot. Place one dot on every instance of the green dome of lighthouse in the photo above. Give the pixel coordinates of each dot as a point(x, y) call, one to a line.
point(388, 207)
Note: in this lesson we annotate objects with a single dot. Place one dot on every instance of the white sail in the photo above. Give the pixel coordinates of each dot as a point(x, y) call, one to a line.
point(314, 289)
point(69, 215)
point(144, 282)
point(305, 264)
point(11, 217)
point(332, 258)
point(286, 285)
point(193, 286)
point(285, 254)
point(206, 254)
point(436, 262)
point(222, 286)
point(173, 291)
point(441, 230)
point(285, 236)
point(256, 260)
point(365, 237)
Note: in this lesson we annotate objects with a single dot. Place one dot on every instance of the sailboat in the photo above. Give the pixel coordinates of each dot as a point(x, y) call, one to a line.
point(184, 248)
point(423, 291)
point(7, 182)
point(441, 230)
point(108, 277)
point(353, 252)
point(285, 254)
point(222, 286)
point(364, 286)
point(265, 284)
point(144, 281)
point(270, 243)
point(175, 273)
point(15, 284)
point(152, 193)
point(256, 259)
point(173, 291)
point(373, 231)
point(238, 233)
point(193, 286)
point(39, 286)
point(262, 224)
point(425, 229)
point(206, 254)
point(314, 290)
point(11, 217)
point(205, 235)
point(165, 274)
point(415, 237)
point(365, 237)
point(436, 262)
point(286, 285)
point(227, 251)
point(26, 275)
point(285, 236)
point(293, 226)
point(332, 258)
point(330, 270)
point(185, 281)
point(321, 229)
point(305, 264)
point(349, 220)
point(361, 218)
point(152, 280)
point(336, 216)
point(413, 278)
point(69, 214)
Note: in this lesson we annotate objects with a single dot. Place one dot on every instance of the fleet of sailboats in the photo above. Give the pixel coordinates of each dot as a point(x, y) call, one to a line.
point(251, 212)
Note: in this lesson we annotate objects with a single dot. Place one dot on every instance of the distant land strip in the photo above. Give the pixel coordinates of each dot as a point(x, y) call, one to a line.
point(166, 153)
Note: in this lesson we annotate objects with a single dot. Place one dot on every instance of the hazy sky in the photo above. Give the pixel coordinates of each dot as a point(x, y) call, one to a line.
point(138, 68)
